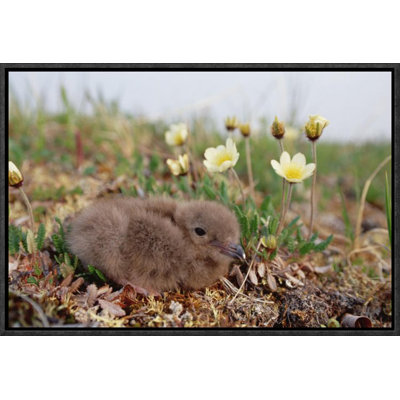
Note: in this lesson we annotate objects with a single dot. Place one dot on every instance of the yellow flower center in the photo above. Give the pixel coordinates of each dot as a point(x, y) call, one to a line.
point(293, 171)
point(178, 140)
point(222, 157)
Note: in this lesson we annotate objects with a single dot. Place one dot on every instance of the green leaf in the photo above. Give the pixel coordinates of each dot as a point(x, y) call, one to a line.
point(265, 205)
point(61, 229)
point(243, 221)
point(154, 162)
point(313, 237)
point(23, 236)
point(299, 238)
point(223, 191)
point(210, 193)
point(181, 183)
point(291, 244)
point(40, 236)
point(306, 248)
point(91, 170)
point(292, 223)
point(100, 275)
point(324, 244)
point(33, 280)
point(37, 270)
point(67, 259)
point(13, 239)
point(91, 269)
point(94, 271)
point(255, 221)
point(273, 225)
point(58, 243)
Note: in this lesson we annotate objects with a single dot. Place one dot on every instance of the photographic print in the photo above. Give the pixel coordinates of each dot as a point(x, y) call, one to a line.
point(199, 198)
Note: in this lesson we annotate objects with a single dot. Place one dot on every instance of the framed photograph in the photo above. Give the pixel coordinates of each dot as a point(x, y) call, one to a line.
point(199, 199)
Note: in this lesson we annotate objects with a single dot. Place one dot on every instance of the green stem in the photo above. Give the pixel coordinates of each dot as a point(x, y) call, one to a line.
point(249, 169)
point(28, 206)
point(239, 183)
point(314, 181)
point(283, 186)
point(283, 215)
point(281, 145)
point(192, 166)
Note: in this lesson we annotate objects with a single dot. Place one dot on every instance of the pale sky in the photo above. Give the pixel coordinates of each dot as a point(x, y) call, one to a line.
point(357, 104)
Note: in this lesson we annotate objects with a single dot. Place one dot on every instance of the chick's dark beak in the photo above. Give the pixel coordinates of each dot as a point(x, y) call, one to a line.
point(230, 249)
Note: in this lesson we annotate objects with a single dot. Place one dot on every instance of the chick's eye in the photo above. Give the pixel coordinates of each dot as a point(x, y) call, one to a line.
point(200, 231)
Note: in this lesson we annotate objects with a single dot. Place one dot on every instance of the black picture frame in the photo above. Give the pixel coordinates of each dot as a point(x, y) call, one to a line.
point(5, 69)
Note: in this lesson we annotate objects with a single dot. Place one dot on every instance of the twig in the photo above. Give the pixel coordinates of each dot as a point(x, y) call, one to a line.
point(35, 305)
point(248, 272)
point(369, 248)
point(363, 199)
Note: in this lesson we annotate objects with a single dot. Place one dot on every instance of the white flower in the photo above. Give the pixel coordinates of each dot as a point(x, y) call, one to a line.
point(180, 166)
point(221, 158)
point(177, 134)
point(294, 170)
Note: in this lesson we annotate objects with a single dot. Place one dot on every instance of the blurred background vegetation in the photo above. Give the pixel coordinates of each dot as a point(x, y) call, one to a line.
point(129, 145)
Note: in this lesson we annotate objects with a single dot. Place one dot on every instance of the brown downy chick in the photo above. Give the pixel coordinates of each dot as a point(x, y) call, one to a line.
point(157, 244)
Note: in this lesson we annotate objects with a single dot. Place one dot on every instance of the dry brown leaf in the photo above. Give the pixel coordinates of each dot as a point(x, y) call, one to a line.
point(92, 294)
point(12, 266)
point(112, 308)
point(294, 267)
point(105, 289)
point(300, 274)
point(66, 270)
point(128, 296)
point(289, 284)
point(324, 269)
point(62, 293)
point(294, 280)
point(271, 282)
point(307, 267)
point(253, 277)
point(76, 285)
point(261, 270)
point(67, 281)
point(238, 274)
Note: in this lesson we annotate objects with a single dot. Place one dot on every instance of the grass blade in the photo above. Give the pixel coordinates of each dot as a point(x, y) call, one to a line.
point(388, 207)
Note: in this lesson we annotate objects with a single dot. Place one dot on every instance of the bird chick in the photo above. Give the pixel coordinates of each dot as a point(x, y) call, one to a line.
point(157, 244)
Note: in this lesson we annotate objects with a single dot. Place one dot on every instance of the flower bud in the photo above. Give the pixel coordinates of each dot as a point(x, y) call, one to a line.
point(269, 242)
point(278, 129)
point(231, 123)
point(245, 129)
point(180, 166)
point(315, 125)
point(15, 177)
point(177, 134)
